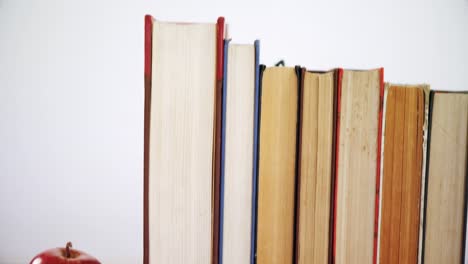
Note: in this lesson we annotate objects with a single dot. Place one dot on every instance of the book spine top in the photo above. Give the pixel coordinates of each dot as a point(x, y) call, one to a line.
point(148, 43)
point(219, 48)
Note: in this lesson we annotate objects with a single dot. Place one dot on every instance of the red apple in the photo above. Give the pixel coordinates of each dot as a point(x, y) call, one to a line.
point(64, 256)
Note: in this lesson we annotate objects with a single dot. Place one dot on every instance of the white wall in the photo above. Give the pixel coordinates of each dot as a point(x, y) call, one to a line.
point(71, 97)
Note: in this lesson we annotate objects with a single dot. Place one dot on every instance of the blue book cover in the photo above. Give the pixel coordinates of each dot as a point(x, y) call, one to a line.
point(255, 152)
point(223, 144)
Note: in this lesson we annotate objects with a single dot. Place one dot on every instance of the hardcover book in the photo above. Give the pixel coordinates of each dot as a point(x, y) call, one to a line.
point(183, 91)
point(445, 215)
point(277, 165)
point(403, 163)
point(358, 130)
point(316, 166)
point(239, 153)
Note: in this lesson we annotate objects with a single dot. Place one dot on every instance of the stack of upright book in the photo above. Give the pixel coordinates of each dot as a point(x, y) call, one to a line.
point(245, 163)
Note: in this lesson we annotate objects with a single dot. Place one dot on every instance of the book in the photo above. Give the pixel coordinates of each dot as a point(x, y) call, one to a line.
point(403, 163)
point(445, 199)
point(277, 165)
point(183, 91)
point(239, 153)
point(316, 166)
point(357, 165)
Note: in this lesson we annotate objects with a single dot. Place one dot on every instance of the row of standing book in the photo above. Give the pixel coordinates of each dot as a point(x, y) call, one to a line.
point(251, 164)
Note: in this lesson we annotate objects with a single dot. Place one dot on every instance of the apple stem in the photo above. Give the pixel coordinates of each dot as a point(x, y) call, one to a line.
point(67, 250)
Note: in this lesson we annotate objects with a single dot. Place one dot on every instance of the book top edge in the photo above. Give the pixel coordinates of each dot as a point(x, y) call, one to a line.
point(154, 20)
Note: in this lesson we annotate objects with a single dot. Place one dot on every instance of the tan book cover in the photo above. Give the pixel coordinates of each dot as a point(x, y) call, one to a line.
point(316, 166)
point(277, 165)
point(356, 199)
point(445, 216)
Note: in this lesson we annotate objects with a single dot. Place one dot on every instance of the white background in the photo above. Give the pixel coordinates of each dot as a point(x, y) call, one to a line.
point(71, 97)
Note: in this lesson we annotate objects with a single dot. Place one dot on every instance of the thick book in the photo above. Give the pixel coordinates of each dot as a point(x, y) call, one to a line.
point(316, 166)
point(239, 153)
point(279, 108)
point(182, 134)
point(357, 173)
point(403, 162)
point(447, 172)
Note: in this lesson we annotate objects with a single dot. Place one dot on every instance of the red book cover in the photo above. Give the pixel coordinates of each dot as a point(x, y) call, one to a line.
point(217, 137)
point(147, 118)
